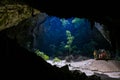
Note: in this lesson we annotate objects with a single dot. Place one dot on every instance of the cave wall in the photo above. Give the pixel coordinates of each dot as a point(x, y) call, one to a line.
point(73, 8)
point(13, 14)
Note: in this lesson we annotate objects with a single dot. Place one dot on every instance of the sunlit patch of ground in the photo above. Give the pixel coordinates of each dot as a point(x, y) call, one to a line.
point(106, 69)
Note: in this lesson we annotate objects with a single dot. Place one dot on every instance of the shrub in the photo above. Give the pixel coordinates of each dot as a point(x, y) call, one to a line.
point(42, 54)
point(56, 59)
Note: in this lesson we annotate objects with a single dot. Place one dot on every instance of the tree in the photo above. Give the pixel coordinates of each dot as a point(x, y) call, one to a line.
point(70, 39)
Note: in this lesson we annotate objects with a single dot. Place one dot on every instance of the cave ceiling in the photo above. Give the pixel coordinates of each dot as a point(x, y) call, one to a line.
point(75, 8)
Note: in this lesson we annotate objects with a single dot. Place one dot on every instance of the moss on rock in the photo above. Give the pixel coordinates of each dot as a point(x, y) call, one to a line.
point(12, 14)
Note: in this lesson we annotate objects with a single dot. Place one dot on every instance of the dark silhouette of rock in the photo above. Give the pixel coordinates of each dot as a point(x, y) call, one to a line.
point(94, 77)
point(18, 62)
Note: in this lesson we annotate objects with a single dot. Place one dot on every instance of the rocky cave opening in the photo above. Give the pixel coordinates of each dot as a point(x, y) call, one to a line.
point(16, 59)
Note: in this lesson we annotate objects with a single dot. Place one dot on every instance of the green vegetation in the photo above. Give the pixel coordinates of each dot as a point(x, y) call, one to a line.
point(56, 59)
point(70, 39)
point(42, 54)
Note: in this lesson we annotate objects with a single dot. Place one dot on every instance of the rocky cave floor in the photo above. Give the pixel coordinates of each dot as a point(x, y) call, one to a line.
point(107, 70)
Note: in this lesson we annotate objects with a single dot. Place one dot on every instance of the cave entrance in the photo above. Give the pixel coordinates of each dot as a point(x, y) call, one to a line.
point(51, 37)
